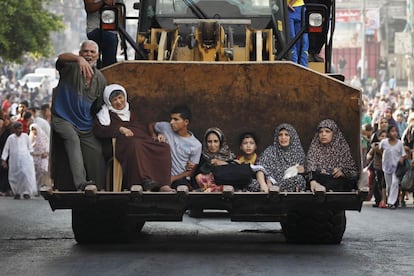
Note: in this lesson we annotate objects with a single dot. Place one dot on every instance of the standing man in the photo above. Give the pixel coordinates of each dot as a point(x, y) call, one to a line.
point(75, 99)
point(185, 148)
point(18, 150)
point(107, 40)
point(342, 64)
point(46, 112)
point(21, 109)
point(299, 52)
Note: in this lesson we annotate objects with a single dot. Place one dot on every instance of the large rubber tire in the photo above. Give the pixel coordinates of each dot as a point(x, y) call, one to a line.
point(314, 226)
point(97, 226)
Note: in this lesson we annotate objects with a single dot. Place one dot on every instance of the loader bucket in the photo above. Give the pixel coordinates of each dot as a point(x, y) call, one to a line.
point(239, 97)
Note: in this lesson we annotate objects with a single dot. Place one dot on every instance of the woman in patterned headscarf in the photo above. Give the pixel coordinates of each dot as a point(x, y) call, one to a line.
point(215, 153)
point(329, 161)
point(284, 160)
point(215, 148)
point(217, 165)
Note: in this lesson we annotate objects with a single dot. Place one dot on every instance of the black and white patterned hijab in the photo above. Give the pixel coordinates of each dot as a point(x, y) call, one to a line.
point(336, 154)
point(276, 159)
point(224, 152)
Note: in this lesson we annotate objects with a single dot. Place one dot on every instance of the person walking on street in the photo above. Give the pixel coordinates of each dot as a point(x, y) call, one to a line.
point(393, 153)
point(40, 145)
point(5, 132)
point(17, 151)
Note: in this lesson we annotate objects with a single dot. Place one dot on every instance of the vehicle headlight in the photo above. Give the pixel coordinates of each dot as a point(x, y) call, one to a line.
point(315, 20)
point(108, 17)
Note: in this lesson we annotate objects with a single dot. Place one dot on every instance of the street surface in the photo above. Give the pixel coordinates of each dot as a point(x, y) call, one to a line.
point(36, 241)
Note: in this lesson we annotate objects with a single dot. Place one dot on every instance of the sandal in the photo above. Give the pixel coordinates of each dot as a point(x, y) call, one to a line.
point(391, 206)
point(149, 185)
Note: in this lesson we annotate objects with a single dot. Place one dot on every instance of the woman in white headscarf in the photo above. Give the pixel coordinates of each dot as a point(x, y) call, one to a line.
point(40, 144)
point(144, 161)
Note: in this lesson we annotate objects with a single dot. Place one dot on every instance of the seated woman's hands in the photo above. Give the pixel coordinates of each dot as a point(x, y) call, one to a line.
point(315, 186)
point(126, 131)
point(190, 166)
point(336, 173)
point(217, 162)
point(300, 169)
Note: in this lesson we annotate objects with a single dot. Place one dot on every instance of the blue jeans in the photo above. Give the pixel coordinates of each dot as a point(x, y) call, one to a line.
point(108, 45)
point(295, 24)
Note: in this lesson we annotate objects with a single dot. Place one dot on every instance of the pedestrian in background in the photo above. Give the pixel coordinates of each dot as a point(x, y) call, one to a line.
point(393, 153)
point(42, 123)
point(5, 132)
point(40, 144)
point(341, 65)
point(17, 151)
point(46, 112)
point(374, 156)
point(400, 121)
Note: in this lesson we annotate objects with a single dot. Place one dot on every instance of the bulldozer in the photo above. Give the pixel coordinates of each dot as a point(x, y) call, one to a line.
point(229, 61)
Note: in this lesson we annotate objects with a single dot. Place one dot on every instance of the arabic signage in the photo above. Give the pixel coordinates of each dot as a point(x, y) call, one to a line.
point(348, 30)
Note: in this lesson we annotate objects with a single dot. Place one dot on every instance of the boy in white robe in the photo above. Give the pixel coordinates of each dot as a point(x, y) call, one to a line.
point(18, 150)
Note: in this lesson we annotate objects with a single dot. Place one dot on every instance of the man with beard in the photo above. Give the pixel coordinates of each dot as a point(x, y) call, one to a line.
point(74, 105)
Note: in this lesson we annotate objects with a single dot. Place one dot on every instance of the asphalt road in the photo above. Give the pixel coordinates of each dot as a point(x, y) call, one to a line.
point(36, 241)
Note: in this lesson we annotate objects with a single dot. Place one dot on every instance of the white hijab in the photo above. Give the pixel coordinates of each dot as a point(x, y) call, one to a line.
point(103, 114)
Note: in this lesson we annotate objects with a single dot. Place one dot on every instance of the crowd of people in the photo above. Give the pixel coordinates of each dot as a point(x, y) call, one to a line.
point(24, 132)
point(24, 149)
point(387, 125)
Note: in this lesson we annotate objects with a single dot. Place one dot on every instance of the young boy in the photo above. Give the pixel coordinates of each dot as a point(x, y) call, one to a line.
point(185, 148)
point(248, 146)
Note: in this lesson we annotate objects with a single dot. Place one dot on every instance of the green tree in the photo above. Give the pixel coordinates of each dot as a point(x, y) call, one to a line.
point(25, 28)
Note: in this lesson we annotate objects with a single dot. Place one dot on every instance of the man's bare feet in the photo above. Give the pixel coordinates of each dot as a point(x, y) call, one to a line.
point(166, 188)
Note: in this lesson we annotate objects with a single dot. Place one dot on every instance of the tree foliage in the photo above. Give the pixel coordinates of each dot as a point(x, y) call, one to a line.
point(25, 28)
